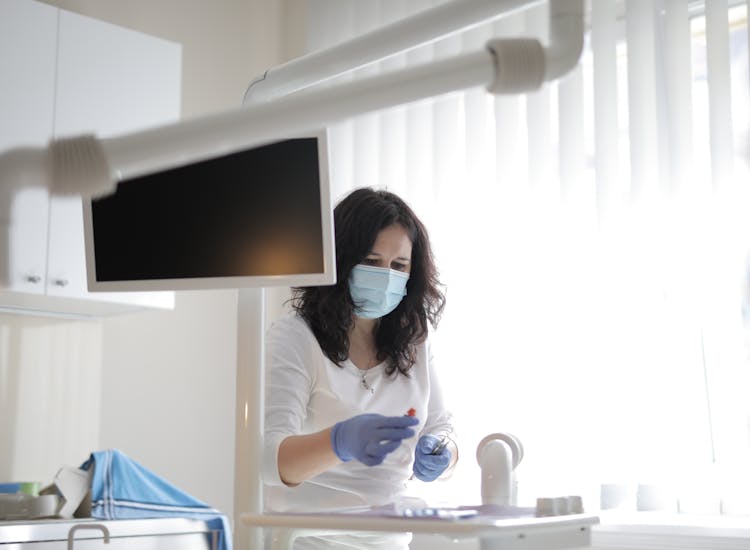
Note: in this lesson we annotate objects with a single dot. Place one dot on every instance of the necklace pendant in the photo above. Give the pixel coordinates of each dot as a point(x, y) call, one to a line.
point(365, 385)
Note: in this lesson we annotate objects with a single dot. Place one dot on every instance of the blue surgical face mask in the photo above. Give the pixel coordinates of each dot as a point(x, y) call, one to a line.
point(376, 291)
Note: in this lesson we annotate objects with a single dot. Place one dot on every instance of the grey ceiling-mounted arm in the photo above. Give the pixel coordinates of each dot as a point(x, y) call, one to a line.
point(561, 54)
point(80, 165)
point(89, 166)
point(405, 34)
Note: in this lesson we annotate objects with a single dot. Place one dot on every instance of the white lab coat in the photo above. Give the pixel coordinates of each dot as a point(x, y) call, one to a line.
point(306, 392)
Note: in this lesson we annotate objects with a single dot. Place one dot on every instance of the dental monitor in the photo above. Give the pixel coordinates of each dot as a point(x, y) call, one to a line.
point(259, 217)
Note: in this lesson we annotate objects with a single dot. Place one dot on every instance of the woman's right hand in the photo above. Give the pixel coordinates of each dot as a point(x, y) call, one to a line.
point(370, 437)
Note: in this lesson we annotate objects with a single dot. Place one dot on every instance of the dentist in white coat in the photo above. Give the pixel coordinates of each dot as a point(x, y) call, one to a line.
point(353, 404)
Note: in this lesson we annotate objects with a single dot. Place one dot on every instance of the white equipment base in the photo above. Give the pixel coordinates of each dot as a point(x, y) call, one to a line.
point(506, 532)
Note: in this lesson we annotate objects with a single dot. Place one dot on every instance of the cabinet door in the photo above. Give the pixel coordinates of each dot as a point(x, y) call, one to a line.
point(110, 81)
point(28, 43)
point(65, 275)
point(66, 269)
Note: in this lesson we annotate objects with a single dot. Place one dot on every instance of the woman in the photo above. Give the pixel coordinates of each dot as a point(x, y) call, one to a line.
point(344, 370)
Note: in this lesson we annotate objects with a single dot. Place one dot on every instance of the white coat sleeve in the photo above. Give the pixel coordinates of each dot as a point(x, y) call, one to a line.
point(439, 418)
point(288, 385)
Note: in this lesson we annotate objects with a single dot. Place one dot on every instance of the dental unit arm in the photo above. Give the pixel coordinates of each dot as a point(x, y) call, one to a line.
point(91, 167)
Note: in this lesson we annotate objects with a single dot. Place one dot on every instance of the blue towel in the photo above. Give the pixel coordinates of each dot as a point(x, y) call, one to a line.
point(123, 489)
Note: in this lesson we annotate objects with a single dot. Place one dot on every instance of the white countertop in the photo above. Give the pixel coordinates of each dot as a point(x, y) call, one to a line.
point(570, 530)
point(662, 530)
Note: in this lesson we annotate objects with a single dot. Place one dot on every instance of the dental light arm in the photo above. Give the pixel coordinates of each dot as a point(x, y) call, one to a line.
point(565, 41)
point(400, 36)
point(561, 55)
point(90, 167)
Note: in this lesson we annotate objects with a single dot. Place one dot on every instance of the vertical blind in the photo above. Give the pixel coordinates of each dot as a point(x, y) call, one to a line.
point(592, 239)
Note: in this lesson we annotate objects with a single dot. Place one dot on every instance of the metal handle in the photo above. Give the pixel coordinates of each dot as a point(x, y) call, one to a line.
point(95, 526)
point(34, 279)
point(60, 282)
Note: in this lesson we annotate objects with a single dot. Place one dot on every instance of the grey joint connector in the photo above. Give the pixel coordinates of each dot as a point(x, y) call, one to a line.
point(519, 65)
point(80, 167)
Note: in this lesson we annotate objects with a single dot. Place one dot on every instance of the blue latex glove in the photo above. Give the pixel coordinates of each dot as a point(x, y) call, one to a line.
point(428, 466)
point(370, 437)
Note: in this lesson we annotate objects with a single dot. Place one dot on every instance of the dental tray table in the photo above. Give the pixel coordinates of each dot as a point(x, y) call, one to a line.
point(126, 534)
point(506, 528)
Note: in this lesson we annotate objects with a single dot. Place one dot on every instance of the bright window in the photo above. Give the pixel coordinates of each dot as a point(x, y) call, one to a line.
point(610, 341)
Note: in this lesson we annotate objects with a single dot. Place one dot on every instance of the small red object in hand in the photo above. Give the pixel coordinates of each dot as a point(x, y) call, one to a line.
point(411, 412)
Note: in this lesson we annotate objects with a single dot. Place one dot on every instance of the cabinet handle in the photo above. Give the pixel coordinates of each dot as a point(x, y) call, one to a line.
point(34, 279)
point(96, 526)
point(60, 282)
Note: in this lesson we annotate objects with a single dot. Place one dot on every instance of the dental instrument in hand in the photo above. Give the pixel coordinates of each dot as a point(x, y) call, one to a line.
point(431, 457)
point(441, 445)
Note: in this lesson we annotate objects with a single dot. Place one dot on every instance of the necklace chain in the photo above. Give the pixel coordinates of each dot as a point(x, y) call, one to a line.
point(365, 384)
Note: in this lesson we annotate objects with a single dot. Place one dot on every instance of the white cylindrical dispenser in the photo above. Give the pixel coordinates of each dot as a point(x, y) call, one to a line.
point(498, 455)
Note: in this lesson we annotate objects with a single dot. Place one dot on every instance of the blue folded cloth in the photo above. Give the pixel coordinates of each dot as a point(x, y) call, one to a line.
point(123, 489)
point(10, 488)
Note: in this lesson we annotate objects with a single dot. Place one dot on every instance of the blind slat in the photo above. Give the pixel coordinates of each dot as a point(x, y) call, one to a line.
point(510, 152)
point(644, 144)
point(678, 82)
point(604, 50)
point(719, 90)
point(448, 132)
point(393, 121)
point(571, 153)
point(477, 107)
point(420, 122)
point(542, 163)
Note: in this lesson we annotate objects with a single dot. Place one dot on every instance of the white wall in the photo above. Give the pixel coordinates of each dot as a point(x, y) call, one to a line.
point(224, 43)
point(159, 385)
point(168, 392)
point(50, 395)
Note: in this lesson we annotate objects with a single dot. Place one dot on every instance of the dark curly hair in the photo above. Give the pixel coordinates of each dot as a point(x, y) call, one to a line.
point(329, 310)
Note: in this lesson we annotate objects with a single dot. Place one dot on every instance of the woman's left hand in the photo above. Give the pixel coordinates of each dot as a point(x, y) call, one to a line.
point(429, 466)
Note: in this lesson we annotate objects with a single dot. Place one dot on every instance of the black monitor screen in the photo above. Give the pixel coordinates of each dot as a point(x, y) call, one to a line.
point(252, 213)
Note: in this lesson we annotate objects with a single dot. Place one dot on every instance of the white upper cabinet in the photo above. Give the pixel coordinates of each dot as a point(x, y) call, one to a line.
point(110, 81)
point(28, 42)
point(73, 75)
